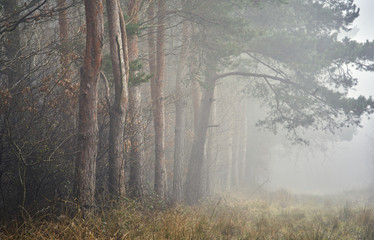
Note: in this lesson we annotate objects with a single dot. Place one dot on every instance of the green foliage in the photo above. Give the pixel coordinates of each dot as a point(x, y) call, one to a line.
point(132, 29)
point(297, 40)
point(296, 107)
point(221, 19)
point(136, 76)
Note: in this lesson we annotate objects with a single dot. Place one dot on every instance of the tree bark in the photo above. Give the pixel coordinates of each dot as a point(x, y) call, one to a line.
point(157, 67)
point(135, 129)
point(62, 20)
point(152, 56)
point(119, 106)
point(180, 104)
point(194, 176)
point(136, 158)
point(159, 121)
point(87, 124)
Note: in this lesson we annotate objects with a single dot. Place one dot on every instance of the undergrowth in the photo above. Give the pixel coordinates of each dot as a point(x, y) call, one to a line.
point(221, 218)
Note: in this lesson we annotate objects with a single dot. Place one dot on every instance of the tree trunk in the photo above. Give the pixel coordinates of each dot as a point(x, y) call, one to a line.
point(242, 149)
point(194, 187)
point(152, 55)
point(196, 92)
point(63, 21)
point(135, 129)
point(234, 155)
point(136, 149)
point(250, 173)
point(227, 166)
point(152, 48)
point(119, 106)
point(194, 176)
point(157, 96)
point(210, 157)
point(180, 104)
point(87, 124)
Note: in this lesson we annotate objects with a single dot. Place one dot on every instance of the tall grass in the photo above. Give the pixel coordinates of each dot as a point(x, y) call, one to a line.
point(270, 217)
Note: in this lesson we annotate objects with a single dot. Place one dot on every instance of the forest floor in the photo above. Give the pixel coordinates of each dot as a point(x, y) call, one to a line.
point(276, 215)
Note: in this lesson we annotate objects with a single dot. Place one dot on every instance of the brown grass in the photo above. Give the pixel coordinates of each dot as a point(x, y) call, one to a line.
point(232, 218)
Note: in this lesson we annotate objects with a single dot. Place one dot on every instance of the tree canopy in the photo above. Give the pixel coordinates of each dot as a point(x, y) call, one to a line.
point(303, 67)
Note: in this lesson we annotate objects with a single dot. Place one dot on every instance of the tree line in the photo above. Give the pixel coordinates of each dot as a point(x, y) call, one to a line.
point(107, 100)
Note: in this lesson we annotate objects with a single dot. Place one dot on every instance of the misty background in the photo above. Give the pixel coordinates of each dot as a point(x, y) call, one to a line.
point(328, 165)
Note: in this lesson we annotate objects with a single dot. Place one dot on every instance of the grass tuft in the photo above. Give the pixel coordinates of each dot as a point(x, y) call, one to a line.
point(224, 218)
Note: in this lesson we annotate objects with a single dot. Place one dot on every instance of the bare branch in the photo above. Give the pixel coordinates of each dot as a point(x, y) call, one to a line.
point(5, 28)
point(256, 75)
point(278, 71)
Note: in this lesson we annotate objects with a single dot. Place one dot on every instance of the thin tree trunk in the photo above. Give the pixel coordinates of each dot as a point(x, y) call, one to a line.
point(196, 92)
point(209, 151)
point(234, 155)
point(157, 97)
point(87, 125)
point(180, 104)
point(152, 55)
point(152, 49)
point(124, 42)
point(62, 20)
point(250, 173)
point(119, 107)
point(135, 129)
point(227, 164)
point(242, 149)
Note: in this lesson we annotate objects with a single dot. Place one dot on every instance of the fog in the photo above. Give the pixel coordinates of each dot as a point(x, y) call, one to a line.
point(187, 119)
point(341, 166)
point(329, 167)
point(202, 99)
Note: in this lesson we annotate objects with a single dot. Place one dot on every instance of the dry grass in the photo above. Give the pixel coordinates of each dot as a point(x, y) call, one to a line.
point(257, 218)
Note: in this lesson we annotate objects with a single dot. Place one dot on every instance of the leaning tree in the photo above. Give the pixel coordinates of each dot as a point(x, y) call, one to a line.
point(293, 60)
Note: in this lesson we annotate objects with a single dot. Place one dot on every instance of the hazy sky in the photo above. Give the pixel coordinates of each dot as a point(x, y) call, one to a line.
point(344, 165)
point(365, 26)
point(365, 20)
